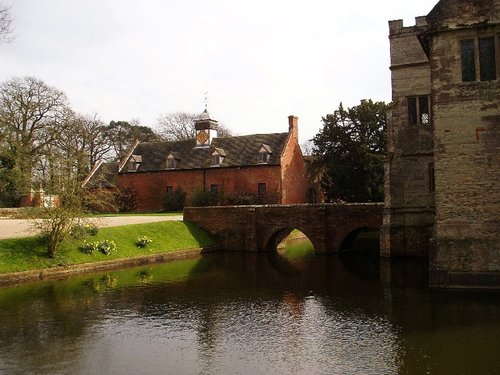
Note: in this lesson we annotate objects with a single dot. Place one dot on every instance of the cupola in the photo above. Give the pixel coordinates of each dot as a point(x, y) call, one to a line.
point(206, 129)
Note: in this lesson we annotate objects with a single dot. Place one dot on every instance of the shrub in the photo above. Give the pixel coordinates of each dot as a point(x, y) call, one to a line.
point(89, 247)
point(205, 198)
point(242, 199)
point(107, 246)
point(126, 199)
point(175, 200)
point(81, 231)
point(143, 241)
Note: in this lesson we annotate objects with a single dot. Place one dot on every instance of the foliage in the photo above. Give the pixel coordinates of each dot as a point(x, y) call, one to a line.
point(32, 117)
point(122, 135)
point(107, 247)
point(81, 231)
point(126, 199)
point(205, 199)
point(30, 253)
point(349, 152)
point(143, 241)
point(90, 247)
point(175, 201)
point(242, 199)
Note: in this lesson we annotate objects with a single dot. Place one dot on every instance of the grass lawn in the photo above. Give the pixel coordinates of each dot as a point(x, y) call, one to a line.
point(29, 253)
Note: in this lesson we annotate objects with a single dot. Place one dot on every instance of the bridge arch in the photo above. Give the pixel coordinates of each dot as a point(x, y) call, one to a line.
point(349, 238)
point(274, 239)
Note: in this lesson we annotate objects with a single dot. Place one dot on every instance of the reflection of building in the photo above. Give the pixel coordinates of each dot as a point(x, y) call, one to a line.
point(442, 167)
point(258, 168)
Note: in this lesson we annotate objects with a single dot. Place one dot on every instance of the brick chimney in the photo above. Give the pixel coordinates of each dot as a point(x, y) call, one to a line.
point(293, 126)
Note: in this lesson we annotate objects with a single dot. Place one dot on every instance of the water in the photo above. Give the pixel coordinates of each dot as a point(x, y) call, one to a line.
point(226, 313)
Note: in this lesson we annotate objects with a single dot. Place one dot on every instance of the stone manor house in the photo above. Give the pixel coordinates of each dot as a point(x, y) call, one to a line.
point(258, 168)
point(442, 197)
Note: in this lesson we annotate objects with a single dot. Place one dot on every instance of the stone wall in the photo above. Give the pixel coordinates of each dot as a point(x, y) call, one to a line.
point(409, 202)
point(467, 159)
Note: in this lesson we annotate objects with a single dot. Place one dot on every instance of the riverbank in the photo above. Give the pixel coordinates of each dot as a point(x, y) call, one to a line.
point(25, 259)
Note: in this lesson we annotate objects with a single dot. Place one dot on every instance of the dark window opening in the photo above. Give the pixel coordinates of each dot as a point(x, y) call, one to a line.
point(419, 110)
point(216, 159)
point(214, 189)
point(432, 185)
point(170, 163)
point(468, 60)
point(170, 190)
point(262, 188)
point(263, 157)
point(487, 68)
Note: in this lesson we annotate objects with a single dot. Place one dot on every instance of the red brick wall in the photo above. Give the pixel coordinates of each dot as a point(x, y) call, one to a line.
point(151, 187)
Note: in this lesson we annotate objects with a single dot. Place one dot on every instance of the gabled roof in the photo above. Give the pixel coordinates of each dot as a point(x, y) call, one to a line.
point(239, 151)
point(102, 175)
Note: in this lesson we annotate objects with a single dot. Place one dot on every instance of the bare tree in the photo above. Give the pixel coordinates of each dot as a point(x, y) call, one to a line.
point(177, 126)
point(32, 116)
point(5, 24)
point(180, 126)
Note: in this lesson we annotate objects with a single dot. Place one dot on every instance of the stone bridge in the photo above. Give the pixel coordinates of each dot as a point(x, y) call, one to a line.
point(330, 227)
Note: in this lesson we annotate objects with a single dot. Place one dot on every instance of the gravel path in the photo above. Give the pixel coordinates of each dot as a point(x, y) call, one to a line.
point(13, 228)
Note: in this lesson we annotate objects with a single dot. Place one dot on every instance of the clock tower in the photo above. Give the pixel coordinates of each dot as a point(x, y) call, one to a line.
point(206, 129)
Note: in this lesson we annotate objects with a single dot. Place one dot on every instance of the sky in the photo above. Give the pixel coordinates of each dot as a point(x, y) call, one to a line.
point(256, 62)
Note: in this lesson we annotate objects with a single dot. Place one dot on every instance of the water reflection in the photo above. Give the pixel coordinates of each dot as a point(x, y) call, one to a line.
point(248, 314)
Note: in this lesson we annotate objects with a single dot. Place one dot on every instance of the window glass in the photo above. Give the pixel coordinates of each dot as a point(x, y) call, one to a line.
point(214, 189)
point(215, 159)
point(170, 190)
point(487, 59)
point(262, 188)
point(423, 108)
point(468, 61)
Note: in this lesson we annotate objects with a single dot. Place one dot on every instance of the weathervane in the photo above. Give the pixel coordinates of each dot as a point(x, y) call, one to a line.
point(206, 100)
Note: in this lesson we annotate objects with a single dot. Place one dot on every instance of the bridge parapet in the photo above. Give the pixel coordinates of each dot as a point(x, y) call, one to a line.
point(257, 228)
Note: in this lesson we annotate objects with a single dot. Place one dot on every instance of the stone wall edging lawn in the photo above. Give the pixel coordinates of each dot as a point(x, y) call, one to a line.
point(62, 272)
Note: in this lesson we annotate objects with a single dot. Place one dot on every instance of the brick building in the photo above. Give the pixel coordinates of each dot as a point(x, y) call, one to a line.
point(442, 167)
point(258, 168)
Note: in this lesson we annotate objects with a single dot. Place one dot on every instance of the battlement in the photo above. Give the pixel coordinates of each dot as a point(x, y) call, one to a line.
point(397, 26)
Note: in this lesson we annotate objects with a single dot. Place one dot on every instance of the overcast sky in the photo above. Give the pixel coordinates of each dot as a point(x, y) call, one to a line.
point(259, 60)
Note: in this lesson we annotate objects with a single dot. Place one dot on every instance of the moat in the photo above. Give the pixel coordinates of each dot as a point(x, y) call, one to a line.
point(241, 313)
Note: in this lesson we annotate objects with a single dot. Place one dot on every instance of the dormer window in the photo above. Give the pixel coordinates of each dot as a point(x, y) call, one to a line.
point(218, 156)
point(172, 160)
point(134, 162)
point(264, 154)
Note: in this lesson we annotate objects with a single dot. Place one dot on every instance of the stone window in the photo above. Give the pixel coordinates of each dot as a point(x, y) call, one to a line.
point(214, 189)
point(262, 188)
point(419, 110)
point(474, 51)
